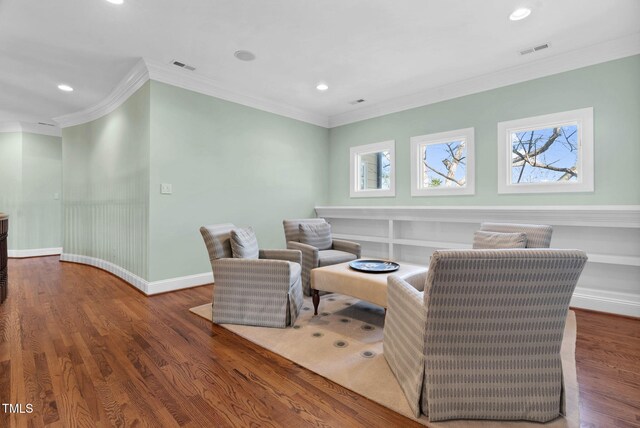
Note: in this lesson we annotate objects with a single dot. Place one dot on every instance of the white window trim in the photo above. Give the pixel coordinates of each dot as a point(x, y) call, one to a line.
point(354, 170)
point(466, 134)
point(583, 118)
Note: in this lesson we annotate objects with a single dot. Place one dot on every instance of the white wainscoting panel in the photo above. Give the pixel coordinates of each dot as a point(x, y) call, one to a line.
point(610, 235)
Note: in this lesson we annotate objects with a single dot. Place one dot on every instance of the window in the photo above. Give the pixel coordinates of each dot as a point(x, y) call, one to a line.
point(372, 170)
point(543, 154)
point(443, 163)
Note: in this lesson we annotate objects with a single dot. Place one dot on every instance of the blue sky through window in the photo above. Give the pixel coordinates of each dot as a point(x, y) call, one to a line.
point(540, 160)
point(386, 170)
point(437, 157)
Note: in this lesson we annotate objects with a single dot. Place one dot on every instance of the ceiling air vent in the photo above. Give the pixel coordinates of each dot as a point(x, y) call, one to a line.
point(183, 65)
point(354, 102)
point(534, 49)
point(45, 124)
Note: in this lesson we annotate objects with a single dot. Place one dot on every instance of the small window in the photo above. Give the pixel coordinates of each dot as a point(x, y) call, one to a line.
point(372, 170)
point(544, 154)
point(443, 163)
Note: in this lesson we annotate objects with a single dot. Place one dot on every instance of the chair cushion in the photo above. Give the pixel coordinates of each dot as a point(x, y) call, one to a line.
point(295, 270)
point(333, 257)
point(244, 244)
point(496, 240)
point(291, 230)
point(316, 235)
point(538, 235)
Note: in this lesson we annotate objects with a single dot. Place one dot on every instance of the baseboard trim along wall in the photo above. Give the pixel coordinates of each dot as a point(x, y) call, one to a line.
point(173, 284)
point(36, 252)
point(606, 301)
point(609, 234)
point(147, 287)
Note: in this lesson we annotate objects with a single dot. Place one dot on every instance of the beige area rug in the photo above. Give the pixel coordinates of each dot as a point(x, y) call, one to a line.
point(344, 344)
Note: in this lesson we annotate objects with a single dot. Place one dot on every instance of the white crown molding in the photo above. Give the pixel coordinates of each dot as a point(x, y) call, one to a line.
point(147, 69)
point(167, 73)
point(8, 127)
point(37, 252)
point(32, 128)
point(147, 287)
point(36, 128)
point(136, 77)
point(595, 54)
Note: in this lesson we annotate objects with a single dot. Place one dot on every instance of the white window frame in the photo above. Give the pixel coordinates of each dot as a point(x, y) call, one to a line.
point(581, 117)
point(354, 170)
point(418, 142)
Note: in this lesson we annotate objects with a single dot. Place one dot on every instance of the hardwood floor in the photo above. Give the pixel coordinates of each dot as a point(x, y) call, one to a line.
point(85, 349)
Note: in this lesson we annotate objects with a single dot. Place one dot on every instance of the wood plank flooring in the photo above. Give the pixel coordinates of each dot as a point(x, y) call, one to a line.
point(85, 349)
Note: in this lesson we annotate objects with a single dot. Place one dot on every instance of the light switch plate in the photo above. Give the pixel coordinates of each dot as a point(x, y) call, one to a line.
point(165, 189)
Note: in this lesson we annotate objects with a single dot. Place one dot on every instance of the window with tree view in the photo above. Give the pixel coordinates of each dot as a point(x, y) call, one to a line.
point(551, 153)
point(443, 163)
point(544, 155)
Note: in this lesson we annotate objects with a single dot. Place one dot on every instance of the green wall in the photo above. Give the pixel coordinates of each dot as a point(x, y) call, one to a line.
point(41, 222)
point(30, 173)
point(226, 163)
point(106, 186)
point(11, 182)
point(612, 89)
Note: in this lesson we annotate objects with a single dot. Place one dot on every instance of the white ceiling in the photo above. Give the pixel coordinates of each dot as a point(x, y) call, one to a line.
point(379, 50)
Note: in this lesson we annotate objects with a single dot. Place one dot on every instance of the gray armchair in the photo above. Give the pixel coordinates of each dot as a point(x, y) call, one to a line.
point(482, 341)
point(341, 251)
point(264, 292)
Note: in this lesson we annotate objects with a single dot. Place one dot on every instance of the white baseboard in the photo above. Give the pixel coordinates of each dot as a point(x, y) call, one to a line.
point(36, 252)
point(147, 287)
point(131, 278)
point(179, 283)
point(606, 301)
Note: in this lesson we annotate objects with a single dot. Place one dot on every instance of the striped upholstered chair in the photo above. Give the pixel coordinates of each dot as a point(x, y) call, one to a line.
point(482, 341)
point(333, 252)
point(537, 235)
point(265, 291)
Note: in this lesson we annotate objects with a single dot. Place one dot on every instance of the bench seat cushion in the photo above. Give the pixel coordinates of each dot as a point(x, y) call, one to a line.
point(332, 257)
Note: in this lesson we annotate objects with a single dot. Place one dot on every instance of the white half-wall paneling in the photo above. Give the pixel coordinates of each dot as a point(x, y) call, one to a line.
point(610, 235)
point(375, 250)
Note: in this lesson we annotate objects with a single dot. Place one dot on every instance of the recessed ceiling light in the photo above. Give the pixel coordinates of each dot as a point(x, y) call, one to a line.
point(519, 14)
point(244, 55)
point(116, 1)
point(65, 88)
point(322, 87)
